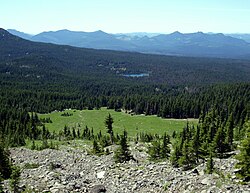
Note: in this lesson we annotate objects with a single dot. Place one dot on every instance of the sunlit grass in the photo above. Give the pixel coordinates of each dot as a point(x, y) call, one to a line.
point(133, 124)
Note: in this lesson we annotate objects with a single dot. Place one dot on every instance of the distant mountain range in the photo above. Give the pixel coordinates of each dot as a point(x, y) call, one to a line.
point(25, 60)
point(245, 37)
point(191, 44)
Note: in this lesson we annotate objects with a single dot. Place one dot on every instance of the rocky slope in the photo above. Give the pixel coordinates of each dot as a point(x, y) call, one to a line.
point(72, 169)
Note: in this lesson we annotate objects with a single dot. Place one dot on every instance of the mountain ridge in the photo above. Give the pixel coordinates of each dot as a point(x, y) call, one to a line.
point(51, 60)
point(196, 44)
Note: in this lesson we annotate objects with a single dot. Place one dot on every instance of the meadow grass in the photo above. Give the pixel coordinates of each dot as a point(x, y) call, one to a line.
point(133, 124)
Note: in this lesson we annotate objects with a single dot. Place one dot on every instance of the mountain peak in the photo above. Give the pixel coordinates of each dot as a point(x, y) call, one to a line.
point(99, 32)
point(176, 33)
point(64, 30)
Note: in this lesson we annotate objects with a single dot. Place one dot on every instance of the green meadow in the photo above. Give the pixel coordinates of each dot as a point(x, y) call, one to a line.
point(132, 123)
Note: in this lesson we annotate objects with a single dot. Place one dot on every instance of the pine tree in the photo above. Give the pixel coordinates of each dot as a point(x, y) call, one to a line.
point(155, 150)
point(219, 143)
point(187, 160)
point(176, 154)
point(1, 184)
point(33, 146)
point(5, 166)
point(196, 143)
point(96, 147)
point(108, 122)
point(165, 149)
point(15, 179)
point(122, 154)
point(78, 133)
point(230, 132)
point(73, 133)
point(244, 155)
point(210, 164)
point(174, 134)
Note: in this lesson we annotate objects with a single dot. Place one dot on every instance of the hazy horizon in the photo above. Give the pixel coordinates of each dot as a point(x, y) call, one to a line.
point(136, 32)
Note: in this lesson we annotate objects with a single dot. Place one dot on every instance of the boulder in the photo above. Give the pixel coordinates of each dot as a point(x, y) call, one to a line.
point(207, 181)
point(98, 189)
point(100, 175)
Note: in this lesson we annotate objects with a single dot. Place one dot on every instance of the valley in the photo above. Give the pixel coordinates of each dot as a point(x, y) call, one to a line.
point(85, 120)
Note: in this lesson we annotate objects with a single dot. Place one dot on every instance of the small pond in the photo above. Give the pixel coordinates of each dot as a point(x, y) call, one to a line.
point(136, 75)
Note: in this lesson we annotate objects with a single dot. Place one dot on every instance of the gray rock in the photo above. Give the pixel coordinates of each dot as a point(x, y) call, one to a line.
point(98, 189)
point(79, 172)
point(100, 174)
point(195, 171)
point(207, 181)
point(54, 190)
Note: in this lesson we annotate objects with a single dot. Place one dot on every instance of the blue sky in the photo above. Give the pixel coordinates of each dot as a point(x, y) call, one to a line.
point(122, 16)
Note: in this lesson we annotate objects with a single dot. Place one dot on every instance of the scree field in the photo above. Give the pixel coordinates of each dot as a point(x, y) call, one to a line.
point(133, 124)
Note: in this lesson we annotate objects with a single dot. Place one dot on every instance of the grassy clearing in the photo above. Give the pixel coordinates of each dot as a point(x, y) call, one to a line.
point(133, 124)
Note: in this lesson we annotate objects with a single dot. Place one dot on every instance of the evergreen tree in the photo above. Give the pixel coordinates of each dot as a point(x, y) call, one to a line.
point(96, 147)
point(210, 164)
point(219, 144)
point(45, 144)
point(155, 150)
point(122, 154)
point(78, 133)
point(174, 134)
point(187, 160)
point(196, 143)
point(1, 183)
point(244, 155)
point(230, 132)
point(165, 149)
point(5, 166)
point(15, 179)
point(33, 146)
point(73, 133)
point(44, 134)
point(108, 123)
point(176, 154)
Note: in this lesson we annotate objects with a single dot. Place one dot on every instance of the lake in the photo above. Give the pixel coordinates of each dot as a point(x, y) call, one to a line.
point(136, 75)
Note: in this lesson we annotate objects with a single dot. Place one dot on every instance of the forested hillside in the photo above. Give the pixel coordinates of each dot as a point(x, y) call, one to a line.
point(41, 78)
point(39, 59)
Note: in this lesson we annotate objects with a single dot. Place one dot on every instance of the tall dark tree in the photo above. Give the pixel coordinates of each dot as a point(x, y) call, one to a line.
point(1, 184)
point(165, 149)
point(219, 144)
point(5, 165)
point(73, 133)
point(78, 133)
point(210, 164)
point(187, 160)
point(230, 132)
point(96, 148)
point(196, 144)
point(244, 156)
point(108, 123)
point(15, 179)
point(155, 150)
point(176, 154)
point(122, 153)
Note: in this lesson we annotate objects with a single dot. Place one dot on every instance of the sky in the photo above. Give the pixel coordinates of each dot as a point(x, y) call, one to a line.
point(125, 16)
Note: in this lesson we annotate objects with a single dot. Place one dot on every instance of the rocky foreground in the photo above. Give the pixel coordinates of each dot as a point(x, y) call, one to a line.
point(74, 170)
